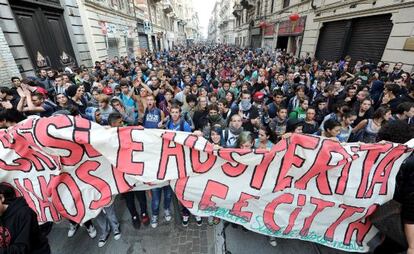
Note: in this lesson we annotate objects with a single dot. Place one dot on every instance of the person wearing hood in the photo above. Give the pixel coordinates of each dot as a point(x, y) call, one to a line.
point(128, 113)
point(94, 114)
point(19, 227)
point(214, 119)
point(248, 112)
point(278, 124)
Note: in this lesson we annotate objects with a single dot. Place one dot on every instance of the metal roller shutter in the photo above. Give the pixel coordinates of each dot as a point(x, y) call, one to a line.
point(112, 48)
point(143, 41)
point(369, 37)
point(256, 41)
point(331, 40)
point(131, 53)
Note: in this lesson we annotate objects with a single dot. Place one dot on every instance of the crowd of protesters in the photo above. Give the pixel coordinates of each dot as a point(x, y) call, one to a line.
point(235, 98)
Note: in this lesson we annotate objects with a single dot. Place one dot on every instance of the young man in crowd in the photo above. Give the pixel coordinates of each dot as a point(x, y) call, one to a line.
point(19, 227)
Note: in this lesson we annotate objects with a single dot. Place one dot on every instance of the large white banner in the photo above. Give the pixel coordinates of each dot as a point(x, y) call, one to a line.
point(306, 187)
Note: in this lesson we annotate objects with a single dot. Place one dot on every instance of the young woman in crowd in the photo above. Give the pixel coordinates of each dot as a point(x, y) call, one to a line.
point(364, 111)
point(366, 131)
point(348, 117)
point(264, 139)
point(62, 101)
point(75, 94)
point(331, 129)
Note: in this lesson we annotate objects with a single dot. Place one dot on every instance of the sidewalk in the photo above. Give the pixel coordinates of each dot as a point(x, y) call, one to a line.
point(169, 237)
point(238, 241)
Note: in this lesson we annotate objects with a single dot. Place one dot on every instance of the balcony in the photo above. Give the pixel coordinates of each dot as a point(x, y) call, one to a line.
point(247, 4)
point(182, 22)
point(237, 10)
point(167, 6)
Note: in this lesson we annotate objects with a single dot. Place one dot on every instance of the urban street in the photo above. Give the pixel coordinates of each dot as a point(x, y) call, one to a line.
point(206, 126)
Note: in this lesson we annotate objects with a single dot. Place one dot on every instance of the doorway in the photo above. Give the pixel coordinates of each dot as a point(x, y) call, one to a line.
point(282, 42)
point(36, 24)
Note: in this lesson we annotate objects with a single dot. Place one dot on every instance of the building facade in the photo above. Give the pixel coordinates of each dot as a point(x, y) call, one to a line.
point(213, 25)
point(221, 27)
point(227, 22)
point(36, 34)
point(192, 27)
point(8, 67)
point(173, 22)
point(110, 28)
point(27, 25)
point(381, 30)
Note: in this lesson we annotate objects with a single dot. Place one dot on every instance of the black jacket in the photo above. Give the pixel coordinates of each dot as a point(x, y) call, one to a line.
point(404, 192)
point(19, 230)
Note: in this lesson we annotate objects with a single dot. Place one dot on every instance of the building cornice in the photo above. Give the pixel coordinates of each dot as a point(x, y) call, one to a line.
point(107, 9)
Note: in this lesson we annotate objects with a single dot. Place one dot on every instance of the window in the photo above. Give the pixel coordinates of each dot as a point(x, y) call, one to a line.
point(258, 8)
point(271, 7)
point(286, 3)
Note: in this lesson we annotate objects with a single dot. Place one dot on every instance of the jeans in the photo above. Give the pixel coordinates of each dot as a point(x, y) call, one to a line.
point(130, 202)
point(106, 221)
point(185, 211)
point(156, 199)
point(87, 224)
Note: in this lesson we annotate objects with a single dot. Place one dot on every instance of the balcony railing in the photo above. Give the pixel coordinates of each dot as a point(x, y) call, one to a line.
point(237, 10)
point(167, 6)
point(247, 4)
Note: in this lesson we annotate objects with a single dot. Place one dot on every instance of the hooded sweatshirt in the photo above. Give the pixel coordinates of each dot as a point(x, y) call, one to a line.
point(19, 230)
point(90, 113)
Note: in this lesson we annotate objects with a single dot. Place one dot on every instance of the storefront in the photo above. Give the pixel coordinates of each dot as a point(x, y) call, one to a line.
point(268, 33)
point(290, 35)
point(142, 36)
point(361, 38)
point(256, 38)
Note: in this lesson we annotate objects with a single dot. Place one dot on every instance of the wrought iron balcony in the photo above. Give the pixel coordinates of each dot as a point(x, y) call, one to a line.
point(247, 4)
point(237, 10)
point(167, 6)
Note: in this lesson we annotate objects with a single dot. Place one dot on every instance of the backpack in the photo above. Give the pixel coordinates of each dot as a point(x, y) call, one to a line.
point(186, 117)
point(225, 135)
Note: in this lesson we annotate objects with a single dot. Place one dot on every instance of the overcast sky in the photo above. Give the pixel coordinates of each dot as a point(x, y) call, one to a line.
point(204, 8)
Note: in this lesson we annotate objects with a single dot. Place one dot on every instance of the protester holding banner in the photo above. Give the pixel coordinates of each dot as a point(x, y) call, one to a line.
point(153, 118)
point(19, 227)
point(107, 219)
point(388, 222)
